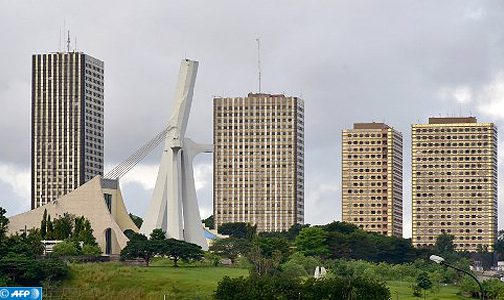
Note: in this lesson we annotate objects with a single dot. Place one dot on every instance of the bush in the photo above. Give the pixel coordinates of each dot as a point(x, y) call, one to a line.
point(291, 269)
point(66, 248)
point(309, 263)
point(93, 250)
point(29, 271)
point(283, 287)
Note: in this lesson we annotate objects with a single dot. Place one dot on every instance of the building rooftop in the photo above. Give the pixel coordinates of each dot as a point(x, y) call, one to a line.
point(258, 95)
point(452, 120)
point(370, 126)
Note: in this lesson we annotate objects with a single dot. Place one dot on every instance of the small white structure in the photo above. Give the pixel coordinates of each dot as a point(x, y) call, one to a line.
point(323, 272)
point(174, 205)
point(49, 245)
point(500, 266)
point(320, 272)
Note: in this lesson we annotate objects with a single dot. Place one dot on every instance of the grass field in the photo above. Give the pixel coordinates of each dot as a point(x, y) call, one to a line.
point(115, 281)
point(402, 291)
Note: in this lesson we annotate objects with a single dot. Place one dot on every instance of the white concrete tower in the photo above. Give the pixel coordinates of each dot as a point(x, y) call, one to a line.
point(174, 204)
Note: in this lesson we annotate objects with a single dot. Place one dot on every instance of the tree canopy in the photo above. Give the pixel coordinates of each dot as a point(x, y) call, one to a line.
point(312, 241)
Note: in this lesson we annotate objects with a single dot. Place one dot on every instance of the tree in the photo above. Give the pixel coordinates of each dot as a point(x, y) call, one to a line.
point(294, 231)
point(29, 244)
point(63, 227)
point(270, 245)
point(209, 222)
point(230, 247)
point(261, 265)
point(139, 249)
point(312, 241)
point(4, 223)
point(444, 244)
point(133, 236)
point(137, 220)
point(50, 229)
point(250, 232)
point(342, 227)
point(83, 232)
point(423, 281)
point(179, 250)
point(43, 225)
point(157, 234)
point(237, 230)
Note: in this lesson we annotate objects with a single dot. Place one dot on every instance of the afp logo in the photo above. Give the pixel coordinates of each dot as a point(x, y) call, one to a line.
point(32, 293)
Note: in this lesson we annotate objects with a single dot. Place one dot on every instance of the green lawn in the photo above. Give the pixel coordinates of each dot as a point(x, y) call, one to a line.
point(402, 291)
point(115, 281)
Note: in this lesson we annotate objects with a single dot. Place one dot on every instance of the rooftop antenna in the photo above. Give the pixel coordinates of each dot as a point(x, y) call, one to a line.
point(68, 41)
point(75, 45)
point(259, 62)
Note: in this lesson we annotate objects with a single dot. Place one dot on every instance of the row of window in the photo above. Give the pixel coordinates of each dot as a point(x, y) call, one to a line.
point(460, 129)
point(466, 144)
point(378, 142)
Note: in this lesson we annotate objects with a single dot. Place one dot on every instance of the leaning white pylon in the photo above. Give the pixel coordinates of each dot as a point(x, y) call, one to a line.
point(174, 204)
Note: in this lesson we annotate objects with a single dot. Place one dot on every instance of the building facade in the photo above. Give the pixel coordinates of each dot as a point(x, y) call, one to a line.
point(454, 183)
point(259, 161)
point(372, 178)
point(67, 123)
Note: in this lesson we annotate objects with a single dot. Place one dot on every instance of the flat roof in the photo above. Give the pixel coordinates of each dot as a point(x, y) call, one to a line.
point(370, 126)
point(452, 120)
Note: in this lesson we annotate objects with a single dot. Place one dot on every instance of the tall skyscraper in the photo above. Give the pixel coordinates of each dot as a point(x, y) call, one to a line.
point(67, 123)
point(259, 161)
point(372, 178)
point(454, 184)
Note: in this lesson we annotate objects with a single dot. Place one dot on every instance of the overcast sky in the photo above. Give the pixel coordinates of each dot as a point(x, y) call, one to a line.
point(399, 62)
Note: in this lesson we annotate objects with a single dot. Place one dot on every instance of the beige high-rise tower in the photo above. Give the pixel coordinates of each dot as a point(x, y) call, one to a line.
point(259, 161)
point(67, 123)
point(372, 178)
point(454, 186)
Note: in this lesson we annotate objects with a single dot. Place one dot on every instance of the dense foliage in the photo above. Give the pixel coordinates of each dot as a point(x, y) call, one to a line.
point(238, 230)
point(137, 220)
point(20, 258)
point(209, 222)
point(283, 287)
point(176, 250)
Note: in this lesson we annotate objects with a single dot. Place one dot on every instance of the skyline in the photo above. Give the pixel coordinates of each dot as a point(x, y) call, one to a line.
point(449, 62)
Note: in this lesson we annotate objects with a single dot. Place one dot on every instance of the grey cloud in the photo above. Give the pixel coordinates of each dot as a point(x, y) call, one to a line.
point(351, 61)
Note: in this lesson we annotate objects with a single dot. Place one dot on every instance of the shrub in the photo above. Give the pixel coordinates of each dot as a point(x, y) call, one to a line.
point(93, 250)
point(284, 287)
point(66, 248)
point(28, 271)
point(291, 269)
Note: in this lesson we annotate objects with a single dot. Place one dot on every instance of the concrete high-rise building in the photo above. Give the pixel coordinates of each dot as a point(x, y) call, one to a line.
point(454, 186)
point(259, 161)
point(372, 178)
point(67, 123)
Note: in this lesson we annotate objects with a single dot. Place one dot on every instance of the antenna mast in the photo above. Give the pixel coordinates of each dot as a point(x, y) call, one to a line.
point(259, 62)
point(68, 41)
